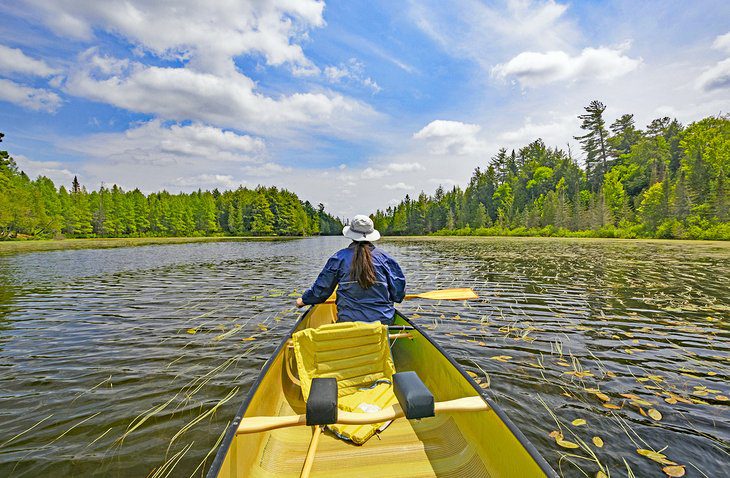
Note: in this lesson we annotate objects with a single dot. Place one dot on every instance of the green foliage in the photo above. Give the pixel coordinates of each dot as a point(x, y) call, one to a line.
point(37, 209)
point(668, 182)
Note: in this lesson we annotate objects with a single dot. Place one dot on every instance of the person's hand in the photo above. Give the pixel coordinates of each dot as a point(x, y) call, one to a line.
point(300, 303)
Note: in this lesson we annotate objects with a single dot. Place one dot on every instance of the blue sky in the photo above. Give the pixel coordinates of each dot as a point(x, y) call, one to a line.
point(353, 104)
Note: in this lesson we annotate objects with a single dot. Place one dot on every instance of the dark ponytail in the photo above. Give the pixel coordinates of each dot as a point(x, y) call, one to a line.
point(362, 270)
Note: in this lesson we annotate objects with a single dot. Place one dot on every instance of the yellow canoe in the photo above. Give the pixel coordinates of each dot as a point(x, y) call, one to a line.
point(466, 444)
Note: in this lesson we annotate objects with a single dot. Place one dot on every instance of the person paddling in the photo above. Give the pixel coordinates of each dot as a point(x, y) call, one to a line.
point(369, 280)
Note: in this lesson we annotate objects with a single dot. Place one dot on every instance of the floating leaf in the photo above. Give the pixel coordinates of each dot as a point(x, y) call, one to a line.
point(630, 396)
point(655, 456)
point(555, 434)
point(192, 331)
point(578, 422)
point(484, 385)
point(640, 402)
point(670, 400)
point(675, 471)
point(611, 406)
point(502, 358)
point(471, 374)
point(655, 414)
point(598, 442)
point(566, 443)
point(603, 396)
point(721, 398)
point(248, 339)
point(601, 474)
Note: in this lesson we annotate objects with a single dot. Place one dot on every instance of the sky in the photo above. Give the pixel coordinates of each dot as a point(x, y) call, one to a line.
point(353, 104)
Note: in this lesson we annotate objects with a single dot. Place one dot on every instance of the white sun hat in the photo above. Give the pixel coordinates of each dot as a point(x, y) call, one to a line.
point(361, 228)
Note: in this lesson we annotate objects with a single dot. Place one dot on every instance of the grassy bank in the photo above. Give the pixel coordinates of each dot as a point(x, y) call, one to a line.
point(719, 245)
point(11, 247)
point(674, 230)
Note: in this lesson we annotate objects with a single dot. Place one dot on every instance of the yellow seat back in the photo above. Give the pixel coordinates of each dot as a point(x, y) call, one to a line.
point(357, 354)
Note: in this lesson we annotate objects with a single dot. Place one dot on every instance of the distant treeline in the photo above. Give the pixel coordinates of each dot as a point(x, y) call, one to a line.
point(37, 208)
point(667, 181)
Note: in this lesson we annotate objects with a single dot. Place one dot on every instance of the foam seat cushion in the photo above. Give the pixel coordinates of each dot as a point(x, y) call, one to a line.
point(357, 355)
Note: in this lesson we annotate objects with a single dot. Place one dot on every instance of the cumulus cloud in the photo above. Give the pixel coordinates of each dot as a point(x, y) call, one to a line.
point(56, 171)
point(381, 171)
point(208, 181)
point(155, 142)
point(229, 100)
point(554, 132)
point(400, 185)
point(722, 43)
point(716, 77)
point(534, 69)
point(36, 99)
point(209, 34)
point(13, 60)
point(450, 137)
point(480, 31)
point(353, 71)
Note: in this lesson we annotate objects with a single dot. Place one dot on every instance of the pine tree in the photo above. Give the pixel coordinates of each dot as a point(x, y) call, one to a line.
point(625, 136)
point(594, 142)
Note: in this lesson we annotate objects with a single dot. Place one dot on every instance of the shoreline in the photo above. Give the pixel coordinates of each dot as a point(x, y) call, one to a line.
point(42, 245)
point(437, 238)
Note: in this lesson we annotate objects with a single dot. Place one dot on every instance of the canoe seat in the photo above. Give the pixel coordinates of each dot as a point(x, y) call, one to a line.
point(357, 355)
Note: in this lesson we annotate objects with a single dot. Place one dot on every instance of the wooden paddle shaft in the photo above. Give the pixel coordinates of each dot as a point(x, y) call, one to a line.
point(309, 460)
point(262, 424)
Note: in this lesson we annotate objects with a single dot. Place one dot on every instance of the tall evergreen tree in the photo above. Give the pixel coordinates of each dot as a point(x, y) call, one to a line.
point(594, 142)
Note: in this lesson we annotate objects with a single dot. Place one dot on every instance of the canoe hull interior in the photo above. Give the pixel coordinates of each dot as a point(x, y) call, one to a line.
point(471, 444)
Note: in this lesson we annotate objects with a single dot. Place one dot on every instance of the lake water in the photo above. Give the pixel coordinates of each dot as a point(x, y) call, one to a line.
point(131, 362)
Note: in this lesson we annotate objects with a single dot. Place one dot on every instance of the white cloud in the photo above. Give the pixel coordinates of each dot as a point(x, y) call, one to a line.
point(56, 171)
point(472, 29)
point(401, 185)
point(208, 33)
point(450, 137)
point(32, 98)
point(716, 77)
point(352, 71)
point(207, 181)
point(404, 167)
point(722, 43)
point(534, 69)
point(156, 143)
point(228, 100)
point(13, 60)
point(381, 171)
point(554, 132)
point(265, 170)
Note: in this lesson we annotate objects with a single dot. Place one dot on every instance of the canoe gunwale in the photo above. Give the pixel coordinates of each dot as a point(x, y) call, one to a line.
point(230, 435)
point(539, 459)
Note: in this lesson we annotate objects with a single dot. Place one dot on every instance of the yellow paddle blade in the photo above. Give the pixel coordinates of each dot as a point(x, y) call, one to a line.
point(446, 294)
point(442, 294)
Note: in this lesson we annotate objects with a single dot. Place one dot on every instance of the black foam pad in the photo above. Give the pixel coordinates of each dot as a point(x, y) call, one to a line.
point(322, 402)
point(414, 397)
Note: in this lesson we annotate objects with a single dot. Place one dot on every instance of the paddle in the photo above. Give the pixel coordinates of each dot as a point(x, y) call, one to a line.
point(262, 424)
point(439, 294)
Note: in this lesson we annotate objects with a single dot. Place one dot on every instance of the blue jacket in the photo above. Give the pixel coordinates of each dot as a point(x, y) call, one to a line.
point(353, 302)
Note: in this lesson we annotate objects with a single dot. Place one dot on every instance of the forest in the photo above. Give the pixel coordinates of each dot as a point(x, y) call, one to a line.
point(665, 181)
point(37, 209)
